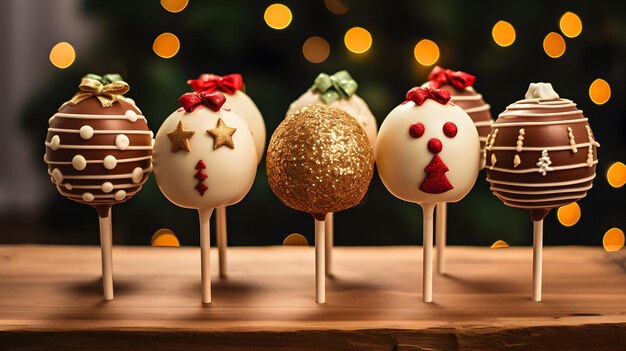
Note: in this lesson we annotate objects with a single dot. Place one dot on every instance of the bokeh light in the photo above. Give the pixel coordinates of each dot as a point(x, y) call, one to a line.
point(571, 25)
point(164, 237)
point(295, 239)
point(616, 175)
point(174, 6)
point(613, 240)
point(426, 52)
point(336, 6)
point(568, 215)
point(554, 45)
point(316, 49)
point(166, 45)
point(600, 91)
point(277, 16)
point(503, 33)
point(358, 40)
point(499, 244)
point(62, 55)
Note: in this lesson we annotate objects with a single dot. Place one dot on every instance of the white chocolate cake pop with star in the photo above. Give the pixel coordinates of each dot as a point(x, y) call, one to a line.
point(338, 90)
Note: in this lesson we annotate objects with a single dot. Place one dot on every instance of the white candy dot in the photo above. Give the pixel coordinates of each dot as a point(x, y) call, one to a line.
point(137, 175)
point(131, 115)
point(120, 195)
point(57, 175)
point(55, 142)
point(79, 162)
point(109, 162)
point(86, 132)
point(153, 143)
point(68, 186)
point(122, 142)
point(151, 135)
point(50, 120)
point(88, 197)
point(107, 187)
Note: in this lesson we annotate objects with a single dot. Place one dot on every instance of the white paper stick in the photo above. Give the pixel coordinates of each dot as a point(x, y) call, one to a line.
point(320, 262)
point(441, 217)
point(106, 243)
point(222, 241)
point(537, 258)
point(205, 251)
point(427, 287)
point(329, 242)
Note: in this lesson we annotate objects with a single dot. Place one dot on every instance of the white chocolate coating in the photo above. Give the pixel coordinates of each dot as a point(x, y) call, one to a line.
point(242, 104)
point(354, 106)
point(230, 172)
point(401, 159)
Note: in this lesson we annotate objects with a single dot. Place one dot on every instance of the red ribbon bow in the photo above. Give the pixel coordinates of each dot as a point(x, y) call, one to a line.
point(214, 101)
point(418, 95)
point(211, 82)
point(458, 79)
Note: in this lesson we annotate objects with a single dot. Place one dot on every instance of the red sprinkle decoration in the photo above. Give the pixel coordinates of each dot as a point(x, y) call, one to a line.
point(416, 129)
point(450, 130)
point(436, 181)
point(435, 146)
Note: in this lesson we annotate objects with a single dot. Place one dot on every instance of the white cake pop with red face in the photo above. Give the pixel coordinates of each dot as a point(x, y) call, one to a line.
point(427, 149)
point(204, 155)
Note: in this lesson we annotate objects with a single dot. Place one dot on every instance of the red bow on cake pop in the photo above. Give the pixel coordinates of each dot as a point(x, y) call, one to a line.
point(457, 79)
point(418, 95)
point(214, 101)
point(211, 82)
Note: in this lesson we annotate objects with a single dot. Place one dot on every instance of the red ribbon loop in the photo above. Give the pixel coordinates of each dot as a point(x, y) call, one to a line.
point(418, 95)
point(214, 101)
point(458, 79)
point(211, 83)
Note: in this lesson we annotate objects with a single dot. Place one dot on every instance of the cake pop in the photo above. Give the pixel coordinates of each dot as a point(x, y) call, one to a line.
point(98, 151)
point(541, 154)
point(427, 152)
point(462, 94)
point(204, 158)
point(337, 90)
point(231, 85)
point(319, 160)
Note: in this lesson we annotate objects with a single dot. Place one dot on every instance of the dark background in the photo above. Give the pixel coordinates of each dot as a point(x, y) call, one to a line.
point(231, 36)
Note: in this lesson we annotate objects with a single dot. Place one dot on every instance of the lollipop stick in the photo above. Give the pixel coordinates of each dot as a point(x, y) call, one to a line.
point(106, 238)
point(537, 258)
point(427, 288)
point(320, 262)
point(205, 248)
point(441, 228)
point(222, 244)
point(329, 242)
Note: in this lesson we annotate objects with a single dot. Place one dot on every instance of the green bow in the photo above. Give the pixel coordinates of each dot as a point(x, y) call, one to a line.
point(338, 86)
point(105, 79)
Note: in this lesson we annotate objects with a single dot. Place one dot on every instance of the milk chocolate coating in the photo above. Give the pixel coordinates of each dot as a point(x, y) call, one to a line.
point(106, 130)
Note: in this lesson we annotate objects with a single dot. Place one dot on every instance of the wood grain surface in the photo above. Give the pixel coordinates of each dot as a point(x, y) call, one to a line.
point(51, 298)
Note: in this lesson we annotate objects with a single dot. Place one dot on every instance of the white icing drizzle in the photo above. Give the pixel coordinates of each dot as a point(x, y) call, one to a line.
point(483, 123)
point(483, 139)
point(57, 175)
point(516, 161)
point(544, 163)
point(520, 140)
point(119, 160)
point(106, 187)
point(50, 120)
point(99, 176)
point(539, 148)
point(493, 139)
point(531, 207)
point(90, 116)
point(109, 162)
point(104, 131)
point(86, 132)
point(466, 98)
point(68, 186)
point(482, 108)
point(572, 142)
point(592, 143)
point(531, 170)
point(493, 161)
point(137, 175)
point(542, 192)
point(509, 114)
point(131, 115)
point(122, 142)
point(545, 199)
point(79, 162)
point(98, 147)
point(543, 123)
point(89, 197)
point(540, 185)
point(119, 195)
point(55, 142)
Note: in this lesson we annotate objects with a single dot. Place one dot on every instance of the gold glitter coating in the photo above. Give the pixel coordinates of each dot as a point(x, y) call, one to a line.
point(222, 135)
point(180, 138)
point(319, 160)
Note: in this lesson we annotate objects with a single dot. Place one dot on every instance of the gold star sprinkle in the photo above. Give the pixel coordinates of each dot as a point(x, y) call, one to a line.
point(180, 138)
point(222, 135)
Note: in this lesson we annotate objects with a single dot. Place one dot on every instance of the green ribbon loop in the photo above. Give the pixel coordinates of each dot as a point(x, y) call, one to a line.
point(338, 86)
point(105, 79)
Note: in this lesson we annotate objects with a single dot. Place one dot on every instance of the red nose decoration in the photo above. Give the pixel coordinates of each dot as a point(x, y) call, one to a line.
point(435, 146)
point(436, 181)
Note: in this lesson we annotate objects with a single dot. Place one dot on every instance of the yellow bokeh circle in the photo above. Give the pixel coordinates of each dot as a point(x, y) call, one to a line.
point(166, 45)
point(174, 6)
point(358, 40)
point(554, 45)
point(568, 215)
point(600, 91)
point(499, 244)
point(616, 175)
point(316, 49)
point(571, 25)
point(164, 237)
point(62, 55)
point(278, 16)
point(295, 239)
point(503, 33)
point(426, 52)
point(613, 240)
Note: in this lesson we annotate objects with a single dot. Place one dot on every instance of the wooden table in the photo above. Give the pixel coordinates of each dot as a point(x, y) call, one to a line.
point(50, 298)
